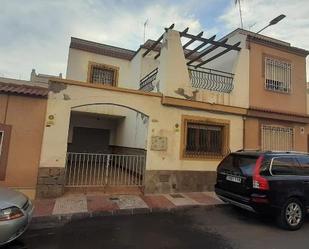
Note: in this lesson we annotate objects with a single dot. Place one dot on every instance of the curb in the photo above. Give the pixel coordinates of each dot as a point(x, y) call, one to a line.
point(41, 222)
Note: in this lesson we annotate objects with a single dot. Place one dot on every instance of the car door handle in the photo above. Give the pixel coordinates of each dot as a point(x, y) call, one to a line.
point(307, 182)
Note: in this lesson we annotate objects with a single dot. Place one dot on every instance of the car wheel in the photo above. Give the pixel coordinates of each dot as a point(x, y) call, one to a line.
point(292, 214)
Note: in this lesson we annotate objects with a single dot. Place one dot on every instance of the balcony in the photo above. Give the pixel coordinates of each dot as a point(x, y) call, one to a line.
point(204, 78)
point(211, 79)
point(146, 83)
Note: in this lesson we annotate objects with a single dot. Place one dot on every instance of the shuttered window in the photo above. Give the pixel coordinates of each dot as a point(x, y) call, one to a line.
point(277, 75)
point(204, 139)
point(277, 138)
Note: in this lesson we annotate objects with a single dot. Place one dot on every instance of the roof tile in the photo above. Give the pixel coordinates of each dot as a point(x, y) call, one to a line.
point(23, 90)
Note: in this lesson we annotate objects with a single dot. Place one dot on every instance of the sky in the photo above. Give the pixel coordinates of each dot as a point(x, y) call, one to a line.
point(36, 33)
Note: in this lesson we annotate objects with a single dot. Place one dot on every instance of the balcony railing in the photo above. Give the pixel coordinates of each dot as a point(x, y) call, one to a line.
point(146, 83)
point(212, 80)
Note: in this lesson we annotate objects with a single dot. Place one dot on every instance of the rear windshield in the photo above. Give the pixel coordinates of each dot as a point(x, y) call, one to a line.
point(239, 164)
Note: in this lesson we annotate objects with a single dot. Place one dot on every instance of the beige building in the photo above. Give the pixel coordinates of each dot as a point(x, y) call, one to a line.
point(162, 117)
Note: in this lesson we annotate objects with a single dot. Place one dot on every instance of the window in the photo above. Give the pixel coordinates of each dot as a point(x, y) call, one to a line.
point(5, 131)
point(243, 164)
point(277, 138)
point(304, 163)
point(204, 139)
point(284, 166)
point(277, 75)
point(102, 74)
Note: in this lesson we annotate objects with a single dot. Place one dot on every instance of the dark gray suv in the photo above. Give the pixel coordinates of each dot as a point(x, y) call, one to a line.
point(267, 182)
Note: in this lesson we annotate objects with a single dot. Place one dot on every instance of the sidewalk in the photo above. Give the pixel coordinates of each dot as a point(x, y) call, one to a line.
point(76, 206)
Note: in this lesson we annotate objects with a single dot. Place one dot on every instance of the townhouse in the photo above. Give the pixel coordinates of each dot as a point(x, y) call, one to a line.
point(160, 118)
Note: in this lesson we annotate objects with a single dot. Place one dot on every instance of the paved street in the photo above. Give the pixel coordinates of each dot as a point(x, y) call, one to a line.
point(217, 227)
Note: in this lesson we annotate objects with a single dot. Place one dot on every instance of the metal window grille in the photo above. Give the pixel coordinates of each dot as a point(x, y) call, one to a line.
point(204, 140)
point(103, 76)
point(1, 141)
point(277, 75)
point(277, 138)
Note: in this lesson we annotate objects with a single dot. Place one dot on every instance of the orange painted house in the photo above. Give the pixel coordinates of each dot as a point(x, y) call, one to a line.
point(22, 117)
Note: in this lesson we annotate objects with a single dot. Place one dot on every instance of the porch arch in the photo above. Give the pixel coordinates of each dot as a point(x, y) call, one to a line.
point(116, 160)
point(111, 104)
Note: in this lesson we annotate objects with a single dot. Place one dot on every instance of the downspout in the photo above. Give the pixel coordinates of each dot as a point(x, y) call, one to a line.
point(244, 132)
point(6, 108)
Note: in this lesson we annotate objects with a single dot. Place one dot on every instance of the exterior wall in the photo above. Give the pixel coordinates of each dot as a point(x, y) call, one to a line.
point(169, 181)
point(163, 121)
point(78, 61)
point(132, 131)
point(79, 119)
point(172, 71)
point(296, 101)
point(129, 129)
point(253, 133)
point(130, 72)
point(173, 74)
point(26, 115)
point(140, 67)
point(227, 62)
point(239, 66)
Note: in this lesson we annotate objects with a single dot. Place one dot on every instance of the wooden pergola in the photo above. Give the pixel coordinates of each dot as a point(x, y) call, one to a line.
point(198, 53)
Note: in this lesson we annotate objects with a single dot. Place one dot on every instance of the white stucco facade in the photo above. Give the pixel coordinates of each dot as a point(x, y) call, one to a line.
point(132, 129)
point(162, 119)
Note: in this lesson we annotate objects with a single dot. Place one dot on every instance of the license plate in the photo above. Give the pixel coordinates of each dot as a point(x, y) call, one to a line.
point(233, 179)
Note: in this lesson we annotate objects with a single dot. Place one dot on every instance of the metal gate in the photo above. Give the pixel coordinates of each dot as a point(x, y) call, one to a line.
point(94, 170)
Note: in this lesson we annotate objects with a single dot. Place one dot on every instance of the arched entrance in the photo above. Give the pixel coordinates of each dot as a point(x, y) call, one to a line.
point(106, 147)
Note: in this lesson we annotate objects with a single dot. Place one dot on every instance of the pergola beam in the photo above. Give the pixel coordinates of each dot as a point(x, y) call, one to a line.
point(199, 47)
point(184, 31)
point(216, 43)
point(218, 55)
point(205, 52)
point(157, 41)
point(192, 40)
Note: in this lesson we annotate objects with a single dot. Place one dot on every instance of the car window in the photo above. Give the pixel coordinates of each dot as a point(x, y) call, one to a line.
point(239, 163)
point(284, 166)
point(304, 163)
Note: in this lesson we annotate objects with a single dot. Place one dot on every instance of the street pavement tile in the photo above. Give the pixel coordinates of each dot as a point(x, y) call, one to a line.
point(157, 201)
point(202, 198)
point(71, 204)
point(184, 201)
point(43, 207)
point(129, 201)
point(100, 203)
point(214, 196)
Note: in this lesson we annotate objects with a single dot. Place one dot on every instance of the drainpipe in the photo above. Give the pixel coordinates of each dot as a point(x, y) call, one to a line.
point(244, 131)
point(6, 108)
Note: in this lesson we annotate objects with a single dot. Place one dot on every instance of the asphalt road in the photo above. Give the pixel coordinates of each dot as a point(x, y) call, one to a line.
point(218, 227)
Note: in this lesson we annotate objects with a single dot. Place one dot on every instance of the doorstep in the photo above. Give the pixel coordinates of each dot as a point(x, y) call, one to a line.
point(77, 206)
